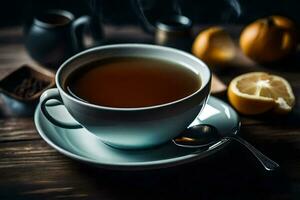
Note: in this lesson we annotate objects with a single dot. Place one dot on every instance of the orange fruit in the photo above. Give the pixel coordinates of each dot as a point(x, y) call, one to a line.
point(259, 92)
point(214, 46)
point(269, 39)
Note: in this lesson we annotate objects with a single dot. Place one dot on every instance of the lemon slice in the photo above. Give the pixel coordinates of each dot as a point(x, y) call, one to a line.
point(259, 92)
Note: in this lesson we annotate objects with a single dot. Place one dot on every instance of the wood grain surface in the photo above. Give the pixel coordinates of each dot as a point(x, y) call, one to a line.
point(31, 169)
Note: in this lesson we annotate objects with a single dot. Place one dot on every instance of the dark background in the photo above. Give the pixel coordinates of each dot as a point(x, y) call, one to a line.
point(14, 12)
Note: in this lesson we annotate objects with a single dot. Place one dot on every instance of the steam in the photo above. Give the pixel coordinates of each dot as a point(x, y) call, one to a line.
point(96, 19)
point(176, 7)
point(96, 7)
point(93, 6)
point(235, 5)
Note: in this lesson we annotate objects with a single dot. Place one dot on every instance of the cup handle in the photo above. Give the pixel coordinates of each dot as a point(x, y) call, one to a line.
point(54, 94)
point(77, 31)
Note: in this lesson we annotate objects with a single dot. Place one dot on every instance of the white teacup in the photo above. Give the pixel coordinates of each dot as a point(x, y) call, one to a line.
point(130, 128)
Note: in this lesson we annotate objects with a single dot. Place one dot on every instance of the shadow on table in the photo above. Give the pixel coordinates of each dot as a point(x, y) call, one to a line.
point(230, 174)
point(289, 120)
point(290, 64)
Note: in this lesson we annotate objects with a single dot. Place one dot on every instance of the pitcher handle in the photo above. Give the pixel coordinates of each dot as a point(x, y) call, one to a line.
point(78, 30)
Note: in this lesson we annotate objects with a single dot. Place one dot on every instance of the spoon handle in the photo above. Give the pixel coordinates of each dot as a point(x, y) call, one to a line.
point(268, 164)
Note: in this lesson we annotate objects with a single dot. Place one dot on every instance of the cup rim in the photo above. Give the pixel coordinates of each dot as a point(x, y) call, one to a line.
point(44, 24)
point(131, 45)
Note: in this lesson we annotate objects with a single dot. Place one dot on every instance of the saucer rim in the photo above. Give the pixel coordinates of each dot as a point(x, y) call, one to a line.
point(157, 164)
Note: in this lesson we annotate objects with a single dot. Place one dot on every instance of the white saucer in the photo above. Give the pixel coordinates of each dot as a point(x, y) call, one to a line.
point(81, 145)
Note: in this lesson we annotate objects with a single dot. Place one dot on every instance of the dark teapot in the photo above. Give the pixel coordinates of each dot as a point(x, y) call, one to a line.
point(170, 28)
point(54, 36)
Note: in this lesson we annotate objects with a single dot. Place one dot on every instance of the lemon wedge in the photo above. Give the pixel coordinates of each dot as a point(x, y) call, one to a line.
point(259, 92)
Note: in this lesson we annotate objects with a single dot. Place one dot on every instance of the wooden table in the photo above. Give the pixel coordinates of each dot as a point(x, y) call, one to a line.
point(31, 169)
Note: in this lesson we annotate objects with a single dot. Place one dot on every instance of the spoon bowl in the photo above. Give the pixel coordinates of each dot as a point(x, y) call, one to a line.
point(199, 136)
point(204, 135)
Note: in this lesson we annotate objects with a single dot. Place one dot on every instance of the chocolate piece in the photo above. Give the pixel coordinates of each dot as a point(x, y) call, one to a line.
point(27, 83)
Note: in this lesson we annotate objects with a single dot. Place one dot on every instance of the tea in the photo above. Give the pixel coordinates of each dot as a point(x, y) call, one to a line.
point(132, 82)
point(54, 19)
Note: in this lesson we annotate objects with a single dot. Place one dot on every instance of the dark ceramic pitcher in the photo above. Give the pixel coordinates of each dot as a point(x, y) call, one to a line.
point(54, 36)
point(169, 29)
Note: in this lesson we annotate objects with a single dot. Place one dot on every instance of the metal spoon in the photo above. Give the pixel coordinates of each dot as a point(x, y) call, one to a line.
point(203, 136)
